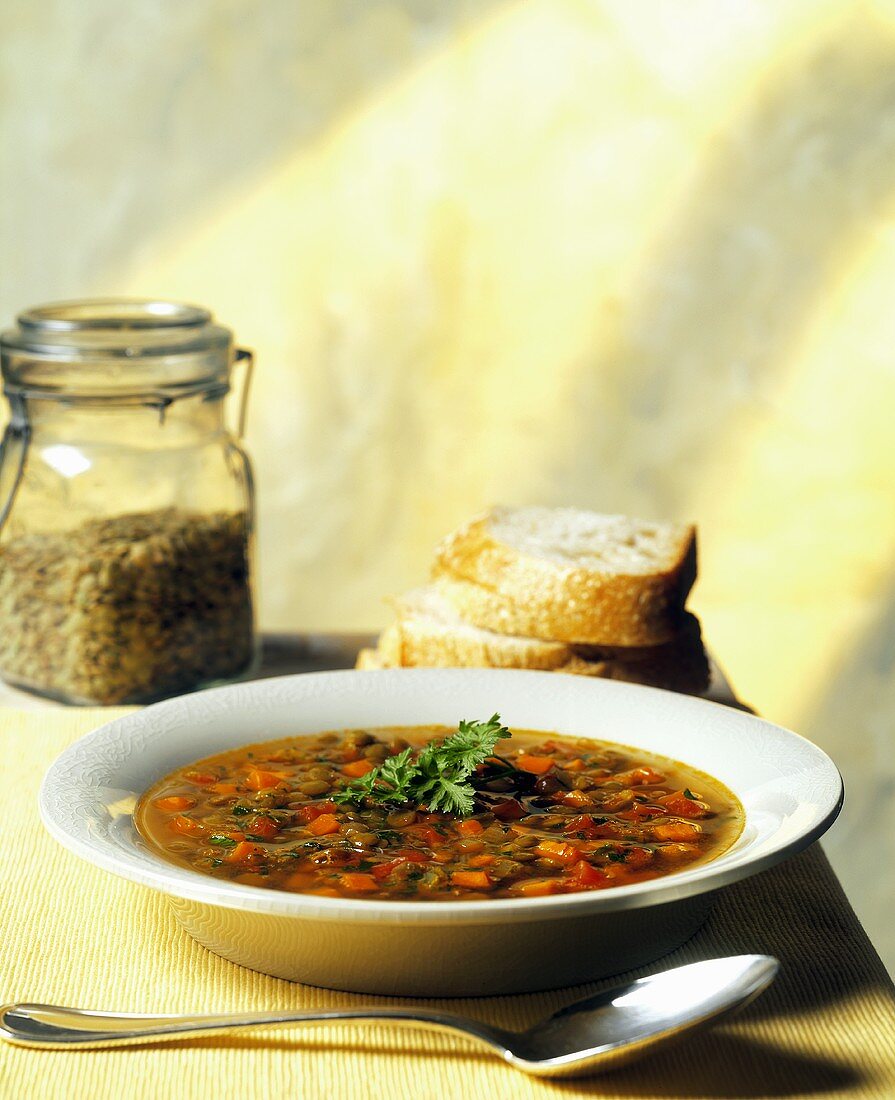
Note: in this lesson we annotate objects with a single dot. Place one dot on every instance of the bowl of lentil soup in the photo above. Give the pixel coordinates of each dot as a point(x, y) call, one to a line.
point(377, 832)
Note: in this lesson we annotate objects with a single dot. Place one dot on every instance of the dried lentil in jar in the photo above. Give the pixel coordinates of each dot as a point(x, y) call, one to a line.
point(126, 542)
point(128, 608)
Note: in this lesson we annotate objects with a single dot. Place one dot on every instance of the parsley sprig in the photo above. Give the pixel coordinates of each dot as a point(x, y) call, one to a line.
point(437, 778)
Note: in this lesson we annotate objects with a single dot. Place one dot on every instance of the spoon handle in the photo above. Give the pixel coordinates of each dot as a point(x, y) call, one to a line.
point(57, 1027)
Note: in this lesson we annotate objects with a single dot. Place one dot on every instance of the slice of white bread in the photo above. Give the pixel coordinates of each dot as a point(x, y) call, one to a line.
point(429, 634)
point(565, 575)
point(369, 659)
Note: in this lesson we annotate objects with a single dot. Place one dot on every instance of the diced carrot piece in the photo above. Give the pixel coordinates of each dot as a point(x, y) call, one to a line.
point(359, 882)
point(258, 780)
point(638, 857)
point(175, 802)
point(537, 765)
point(324, 892)
point(576, 765)
point(472, 880)
point(585, 874)
point(244, 852)
point(535, 887)
point(354, 769)
point(678, 853)
point(575, 799)
point(201, 779)
point(470, 827)
point(324, 824)
point(182, 824)
point(557, 851)
point(443, 856)
point(676, 830)
point(481, 861)
point(637, 777)
point(299, 880)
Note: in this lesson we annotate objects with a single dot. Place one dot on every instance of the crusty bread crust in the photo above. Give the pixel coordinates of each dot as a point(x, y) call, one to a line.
point(500, 588)
point(681, 665)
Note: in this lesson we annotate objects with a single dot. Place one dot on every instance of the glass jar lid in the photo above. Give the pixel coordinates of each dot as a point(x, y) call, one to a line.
point(114, 347)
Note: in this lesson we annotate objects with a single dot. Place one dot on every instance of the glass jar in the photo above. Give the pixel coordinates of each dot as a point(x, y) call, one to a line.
point(126, 503)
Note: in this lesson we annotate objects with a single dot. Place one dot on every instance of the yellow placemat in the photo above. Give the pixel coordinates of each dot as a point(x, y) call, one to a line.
point(73, 934)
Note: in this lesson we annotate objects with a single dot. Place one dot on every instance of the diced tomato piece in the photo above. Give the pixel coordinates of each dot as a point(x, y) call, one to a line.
point(583, 873)
point(472, 880)
point(639, 812)
point(175, 802)
point(536, 765)
point(427, 835)
point(383, 870)
point(412, 855)
point(508, 809)
point(354, 769)
point(258, 780)
point(315, 809)
point(358, 882)
point(676, 830)
point(609, 830)
point(201, 779)
point(678, 804)
point(245, 852)
point(187, 825)
point(470, 827)
point(583, 823)
point(557, 851)
point(324, 824)
point(263, 827)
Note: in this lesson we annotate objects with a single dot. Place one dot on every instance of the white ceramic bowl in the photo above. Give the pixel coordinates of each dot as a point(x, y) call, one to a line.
point(790, 789)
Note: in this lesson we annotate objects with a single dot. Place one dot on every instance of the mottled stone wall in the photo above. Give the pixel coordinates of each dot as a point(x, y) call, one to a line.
point(631, 255)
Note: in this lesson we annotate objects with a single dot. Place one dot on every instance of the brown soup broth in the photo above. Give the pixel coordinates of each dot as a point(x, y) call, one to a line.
point(552, 815)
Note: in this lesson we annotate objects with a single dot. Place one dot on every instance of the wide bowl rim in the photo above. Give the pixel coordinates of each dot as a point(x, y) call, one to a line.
point(188, 885)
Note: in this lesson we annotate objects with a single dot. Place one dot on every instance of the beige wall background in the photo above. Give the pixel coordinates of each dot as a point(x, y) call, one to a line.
point(625, 254)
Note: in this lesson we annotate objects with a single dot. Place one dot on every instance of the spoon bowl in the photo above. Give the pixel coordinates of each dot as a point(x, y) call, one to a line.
point(589, 1036)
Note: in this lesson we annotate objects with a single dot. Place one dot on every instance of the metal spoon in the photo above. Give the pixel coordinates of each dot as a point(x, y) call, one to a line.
point(589, 1036)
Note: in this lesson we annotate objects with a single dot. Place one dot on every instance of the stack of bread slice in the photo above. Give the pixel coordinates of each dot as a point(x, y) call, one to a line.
point(556, 589)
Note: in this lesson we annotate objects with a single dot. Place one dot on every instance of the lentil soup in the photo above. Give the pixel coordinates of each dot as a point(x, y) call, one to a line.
point(549, 814)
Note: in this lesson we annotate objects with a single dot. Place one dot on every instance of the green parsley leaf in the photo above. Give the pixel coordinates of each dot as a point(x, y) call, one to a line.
point(439, 776)
point(222, 841)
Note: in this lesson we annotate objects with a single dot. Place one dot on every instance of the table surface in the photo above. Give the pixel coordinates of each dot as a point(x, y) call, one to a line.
point(74, 934)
